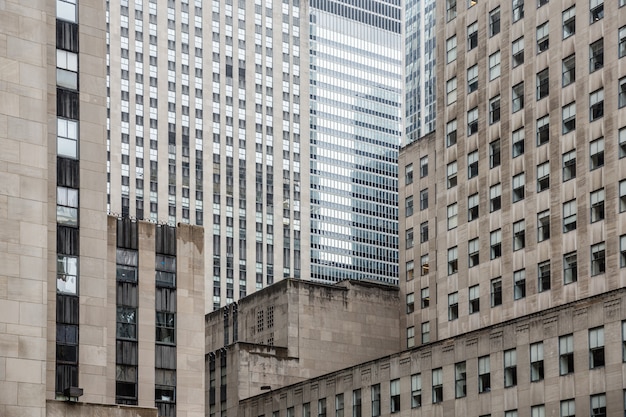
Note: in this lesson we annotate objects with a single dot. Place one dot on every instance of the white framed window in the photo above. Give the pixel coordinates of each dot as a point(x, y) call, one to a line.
point(596, 104)
point(566, 354)
point(536, 362)
point(517, 51)
point(473, 249)
point(495, 197)
point(569, 22)
point(67, 274)
point(597, 205)
point(569, 165)
point(474, 299)
point(67, 69)
point(598, 259)
point(495, 240)
point(472, 121)
point(472, 164)
point(425, 332)
point(519, 284)
point(472, 207)
point(472, 79)
point(67, 206)
point(453, 306)
point(569, 215)
point(452, 170)
point(425, 297)
point(510, 368)
point(451, 49)
point(570, 267)
point(543, 176)
point(569, 117)
point(596, 347)
point(518, 142)
point(460, 380)
point(538, 411)
point(453, 215)
point(484, 374)
point(596, 153)
point(519, 235)
point(66, 10)
point(451, 90)
point(494, 65)
point(519, 183)
point(453, 260)
point(568, 70)
point(67, 138)
point(451, 133)
point(597, 403)
point(437, 376)
point(543, 37)
point(416, 390)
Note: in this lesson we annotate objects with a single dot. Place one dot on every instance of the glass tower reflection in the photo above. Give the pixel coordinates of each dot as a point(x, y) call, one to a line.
point(355, 87)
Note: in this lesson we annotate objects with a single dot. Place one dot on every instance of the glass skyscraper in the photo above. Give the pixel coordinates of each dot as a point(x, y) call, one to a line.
point(356, 111)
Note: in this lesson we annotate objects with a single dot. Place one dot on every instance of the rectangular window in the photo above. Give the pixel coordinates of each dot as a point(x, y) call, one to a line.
point(622, 251)
point(452, 170)
point(597, 205)
point(596, 9)
point(460, 380)
point(543, 83)
point(410, 270)
point(484, 374)
point(472, 164)
point(494, 110)
point(67, 274)
point(621, 42)
point(453, 216)
point(596, 55)
point(517, 97)
point(437, 385)
point(424, 232)
point(495, 197)
point(568, 408)
point(568, 70)
point(543, 225)
point(510, 368)
point(410, 240)
point(494, 153)
point(518, 10)
point(536, 361)
point(496, 292)
point(517, 50)
point(566, 354)
point(67, 69)
point(376, 400)
point(339, 404)
point(408, 174)
point(622, 196)
point(66, 10)
point(474, 299)
point(408, 206)
point(451, 49)
point(410, 303)
point(453, 306)
point(472, 207)
point(543, 39)
point(450, 9)
point(494, 65)
point(472, 121)
point(424, 264)
point(519, 235)
point(425, 332)
point(622, 142)
point(569, 22)
point(67, 206)
point(394, 399)
point(356, 403)
point(453, 260)
point(416, 390)
point(596, 153)
point(451, 90)
point(494, 22)
point(423, 166)
point(424, 199)
point(425, 297)
point(596, 347)
point(67, 138)
point(538, 411)
point(543, 276)
point(519, 284)
point(473, 252)
point(543, 130)
point(569, 117)
point(321, 407)
point(410, 337)
point(598, 405)
point(569, 165)
point(543, 176)
point(621, 98)
point(472, 79)
point(519, 182)
point(451, 133)
point(518, 142)
point(495, 239)
point(598, 259)
point(596, 105)
point(472, 36)
point(570, 212)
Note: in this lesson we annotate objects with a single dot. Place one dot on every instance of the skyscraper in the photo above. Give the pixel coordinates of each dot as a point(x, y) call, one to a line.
point(356, 96)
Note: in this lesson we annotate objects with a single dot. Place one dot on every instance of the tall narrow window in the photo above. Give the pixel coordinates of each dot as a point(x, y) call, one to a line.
point(598, 259)
point(496, 244)
point(517, 51)
point(519, 235)
point(451, 133)
point(394, 400)
point(451, 90)
point(453, 215)
point(569, 165)
point(437, 385)
point(510, 368)
point(472, 121)
point(474, 299)
point(543, 276)
point(472, 164)
point(376, 400)
point(494, 65)
point(596, 347)
point(496, 292)
point(495, 197)
point(494, 21)
point(543, 39)
point(460, 380)
point(453, 260)
point(408, 174)
point(356, 403)
point(519, 284)
point(569, 22)
point(494, 110)
point(453, 306)
point(416, 390)
point(543, 176)
point(621, 98)
point(519, 183)
point(536, 362)
point(596, 104)
point(543, 83)
point(472, 207)
point(566, 354)
point(569, 216)
point(597, 205)
point(518, 142)
point(472, 36)
point(596, 9)
point(423, 166)
point(568, 70)
point(494, 153)
point(518, 10)
point(473, 252)
point(472, 79)
point(596, 154)
point(339, 405)
point(484, 374)
point(569, 117)
point(598, 405)
point(543, 130)
point(568, 408)
point(451, 49)
point(452, 170)
point(517, 94)
point(621, 42)
point(596, 55)
point(450, 9)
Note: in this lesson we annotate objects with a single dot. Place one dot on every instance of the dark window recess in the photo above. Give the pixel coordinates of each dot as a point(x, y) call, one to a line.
point(166, 299)
point(67, 103)
point(229, 71)
point(165, 240)
point(127, 294)
point(127, 233)
point(67, 36)
point(165, 356)
point(68, 173)
point(67, 309)
point(127, 352)
point(66, 376)
point(67, 240)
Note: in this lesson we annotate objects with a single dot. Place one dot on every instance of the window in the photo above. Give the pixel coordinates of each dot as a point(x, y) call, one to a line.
point(424, 232)
point(408, 206)
point(621, 42)
point(452, 174)
point(596, 104)
point(519, 284)
point(494, 65)
point(622, 93)
point(472, 207)
point(596, 153)
point(494, 21)
point(543, 276)
point(622, 142)
point(519, 235)
point(598, 259)
point(569, 70)
point(451, 133)
point(408, 174)
point(596, 55)
point(410, 337)
point(484, 375)
point(517, 51)
point(410, 303)
point(518, 10)
point(425, 332)
point(543, 176)
point(596, 347)
point(622, 196)
point(517, 97)
point(596, 9)
point(472, 121)
point(451, 49)
point(569, 117)
point(67, 138)
point(543, 81)
point(423, 166)
point(306, 410)
point(542, 3)
point(569, 165)
point(450, 9)
point(624, 341)
point(474, 299)
point(496, 292)
point(519, 182)
point(543, 225)
point(495, 197)
point(538, 411)
point(472, 79)
point(453, 260)
point(67, 206)
point(424, 264)
point(597, 205)
point(410, 270)
point(410, 240)
point(569, 216)
point(424, 199)
point(536, 362)
point(453, 306)
point(460, 380)
point(495, 239)
point(569, 22)
point(517, 142)
point(356, 403)
point(425, 297)
point(510, 368)
point(494, 110)
point(437, 385)
point(394, 400)
point(453, 215)
point(543, 39)
point(473, 252)
point(472, 164)
point(165, 327)
point(451, 90)
point(568, 408)
point(66, 10)
point(67, 274)
point(566, 354)
point(494, 153)
point(472, 36)
point(622, 251)
point(339, 404)
point(321, 407)
point(67, 69)
point(376, 400)
point(416, 390)
point(543, 130)
point(598, 405)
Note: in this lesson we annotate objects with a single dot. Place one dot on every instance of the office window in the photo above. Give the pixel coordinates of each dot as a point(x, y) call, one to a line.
point(566, 354)
point(542, 3)
point(473, 252)
point(496, 292)
point(67, 69)
point(569, 22)
point(408, 174)
point(598, 259)
point(394, 399)
point(424, 199)
point(510, 368)
point(472, 207)
point(339, 405)
point(291, 412)
point(621, 98)
point(460, 380)
point(543, 176)
point(321, 407)
point(622, 142)
point(519, 284)
point(494, 110)
point(596, 347)
point(543, 130)
point(518, 10)
point(536, 362)
point(450, 9)
point(484, 374)
point(494, 153)
point(622, 196)
point(472, 164)
point(517, 142)
point(495, 239)
point(67, 138)
point(622, 251)
point(437, 385)
point(474, 299)
point(569, 165)
point(67, 274)
point(543, 39)
point(543, 276)
point(494, 21)
point(416, 390)
point(495, 197)
point(67, 206)
point(494, 65)
point(598, 405)
point(596, 55)
point(410, 270)
point(410, 337)
point(410, 303)
point(451, 90)
point(568, 70)
point(472, 79)
point(597, 205)
point(424, 264)
point(356, 403)
point(451, 133)
point(453, 306)
point(452, 170)
point(543, 81)
point(519, 235)
point(596, 104)
point(451, 49)
point(596, 9)
point(453, 260)
point(624, 341)
point(517, 50)
point(472, 36)
point(423, 166)
point(424, 232)
point(408, 206)
point(519, 181)
point(375, 400)
point(425, 297)
point(570, 212)
point(410, 240)
point(425, 332)
point(596, 153)
point(569, 117)
point(543, 225)
point(517, 95)
point(621, 42)
point(453, 215)
point(538, 411)
point(306, 410)
point(472, 121)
